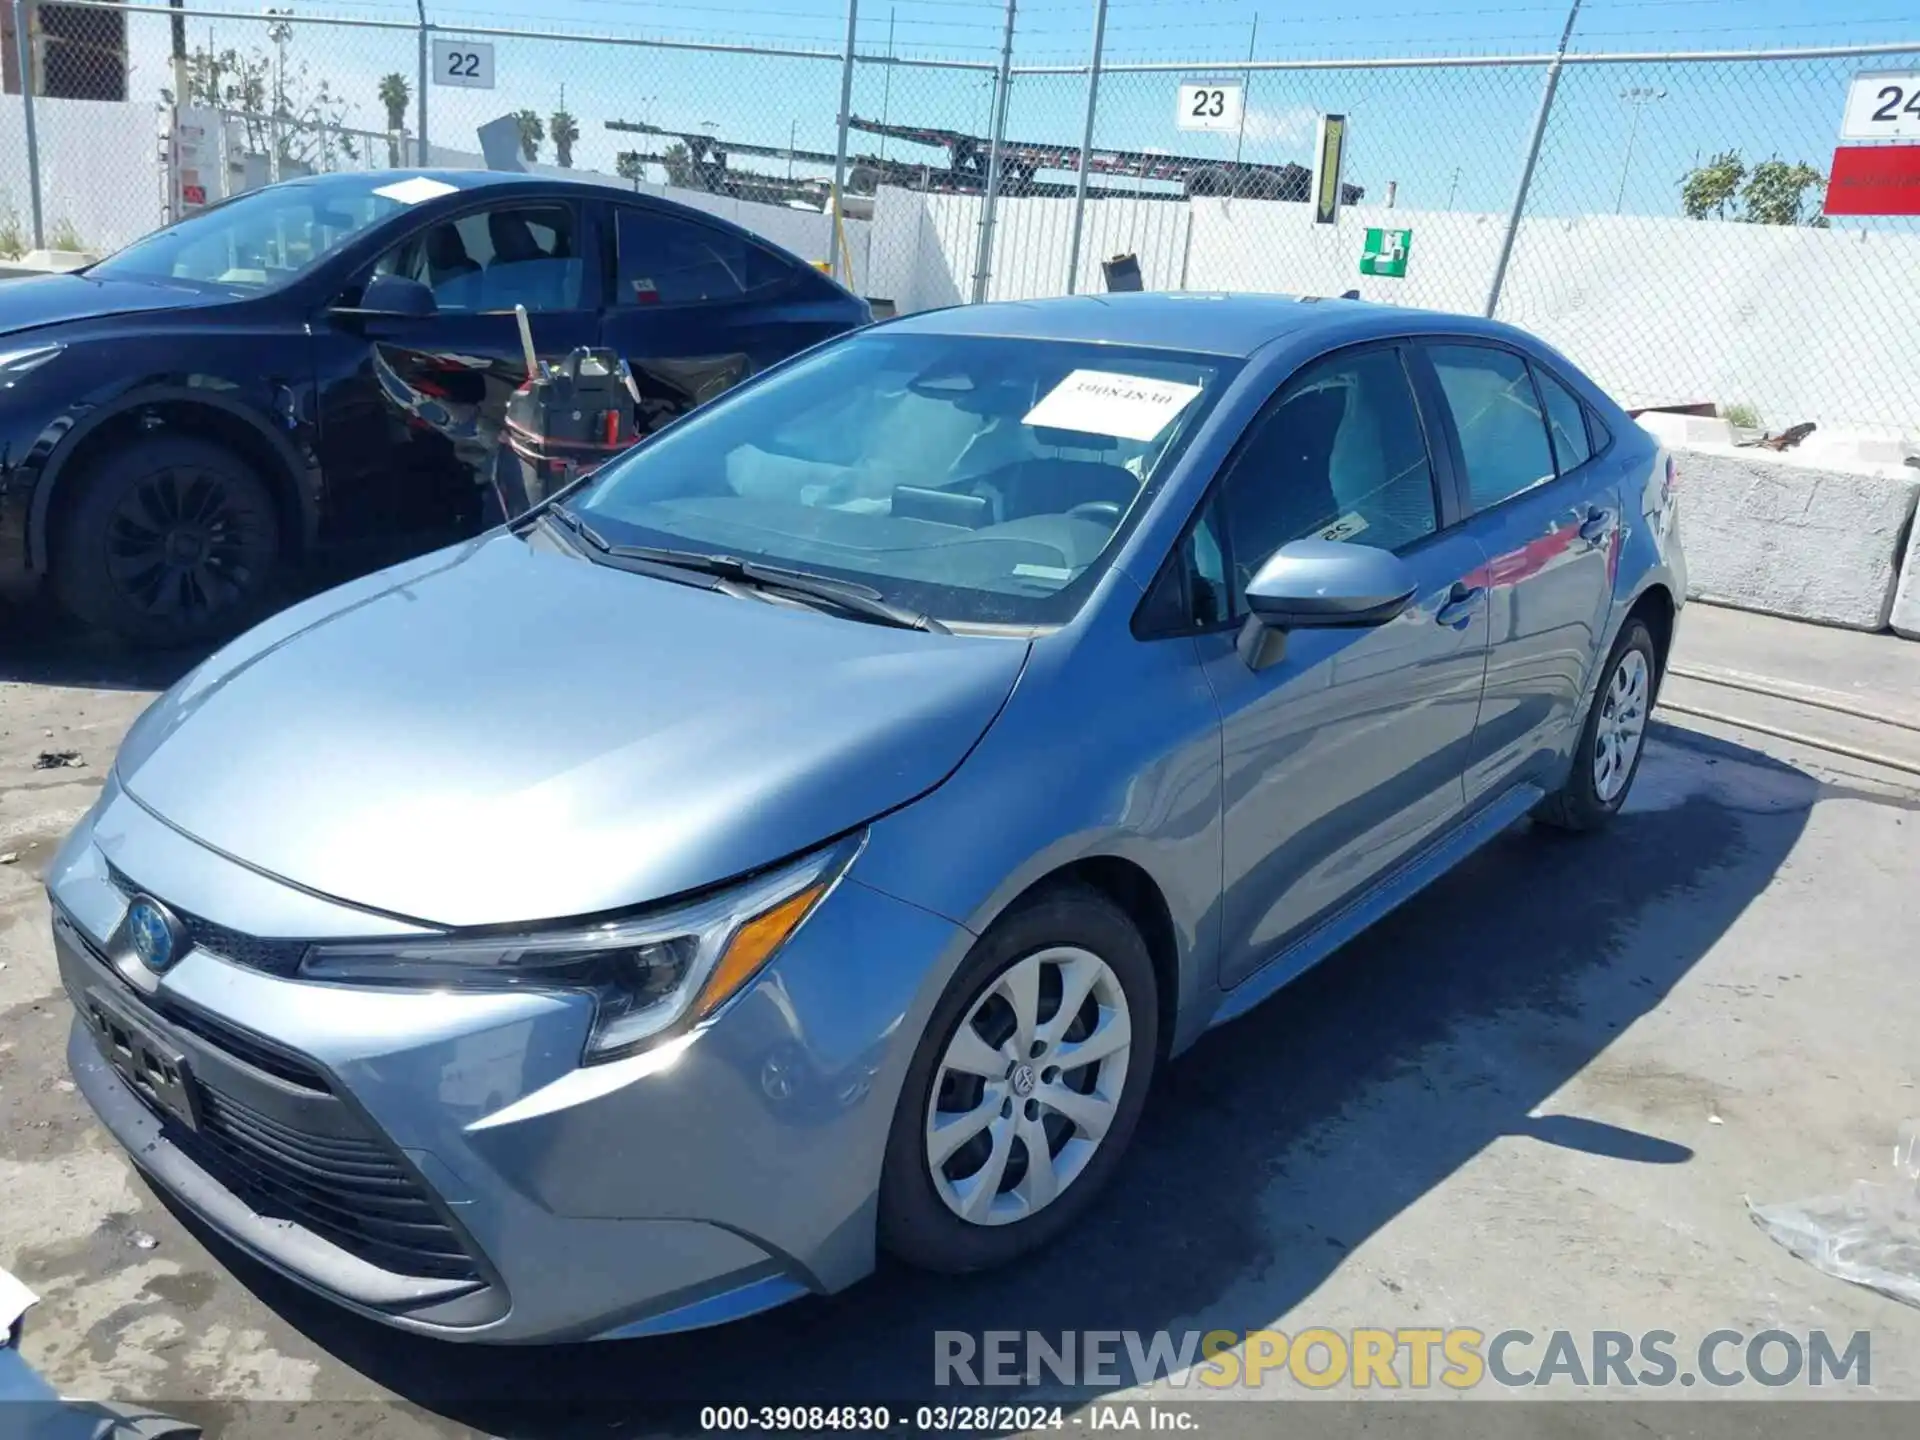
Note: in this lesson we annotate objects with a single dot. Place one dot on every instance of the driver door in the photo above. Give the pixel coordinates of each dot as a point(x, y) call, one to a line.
point(1347, 753)
point(411, 410)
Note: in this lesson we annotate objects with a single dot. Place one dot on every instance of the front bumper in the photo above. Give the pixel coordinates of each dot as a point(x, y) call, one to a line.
point(440, 1161)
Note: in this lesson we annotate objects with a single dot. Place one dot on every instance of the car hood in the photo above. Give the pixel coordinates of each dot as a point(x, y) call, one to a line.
point(505, 734)
point(40, 300)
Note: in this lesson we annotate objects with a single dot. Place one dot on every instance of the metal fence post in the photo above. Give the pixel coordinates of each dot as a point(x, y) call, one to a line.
point(836, 247)
point(1086, 144)
point(983, 260)
point(420, 99)
point(23, 40)
point(1533, 157)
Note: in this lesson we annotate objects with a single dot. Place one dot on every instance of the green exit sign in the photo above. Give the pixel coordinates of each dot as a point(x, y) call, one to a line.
point(1386, 252)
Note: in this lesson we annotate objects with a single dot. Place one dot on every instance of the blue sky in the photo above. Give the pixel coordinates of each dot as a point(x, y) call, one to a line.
point(1445, 137)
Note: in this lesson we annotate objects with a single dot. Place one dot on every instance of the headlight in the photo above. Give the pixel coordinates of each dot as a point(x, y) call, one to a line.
point(648, 975)
point(17, 362)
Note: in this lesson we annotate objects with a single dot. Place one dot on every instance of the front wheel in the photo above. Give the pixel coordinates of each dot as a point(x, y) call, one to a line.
point(1608, 755)
point(170, 540)
point(1026, 1088)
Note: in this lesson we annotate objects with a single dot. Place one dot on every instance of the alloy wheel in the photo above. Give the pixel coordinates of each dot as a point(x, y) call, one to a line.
point(184, 545)
point(1028, 1086)
point(1623, 720)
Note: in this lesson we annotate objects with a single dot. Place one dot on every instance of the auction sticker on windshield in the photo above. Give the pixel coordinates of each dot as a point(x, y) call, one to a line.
point(1100, 402)
point(412, 192)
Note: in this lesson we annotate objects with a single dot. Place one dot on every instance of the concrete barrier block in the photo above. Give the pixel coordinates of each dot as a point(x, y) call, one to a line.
point(1773, 533)
point(1905, 616)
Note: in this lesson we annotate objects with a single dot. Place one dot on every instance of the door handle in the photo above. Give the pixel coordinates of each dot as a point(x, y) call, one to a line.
point(1461, 603)
point(1597, 525)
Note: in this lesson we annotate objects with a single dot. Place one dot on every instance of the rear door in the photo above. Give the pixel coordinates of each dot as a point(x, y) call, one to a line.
point(1549, 520)
point(695, 309)
point(411, 411)
point(1345, 755)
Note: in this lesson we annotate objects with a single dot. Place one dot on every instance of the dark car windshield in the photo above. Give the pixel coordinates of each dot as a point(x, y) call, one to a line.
point(977, 479)
point(266, 238)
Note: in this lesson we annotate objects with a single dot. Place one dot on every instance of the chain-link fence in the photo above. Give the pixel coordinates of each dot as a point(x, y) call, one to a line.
point(1659, 219)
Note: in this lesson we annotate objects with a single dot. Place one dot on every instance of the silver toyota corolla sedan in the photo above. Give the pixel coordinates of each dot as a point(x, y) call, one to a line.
point(810, 834)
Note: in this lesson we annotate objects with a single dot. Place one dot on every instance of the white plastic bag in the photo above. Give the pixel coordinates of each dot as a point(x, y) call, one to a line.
point(1869, 1235)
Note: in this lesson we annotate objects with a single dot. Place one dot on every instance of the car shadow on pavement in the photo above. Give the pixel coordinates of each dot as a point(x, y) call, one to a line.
point(1267, 1154)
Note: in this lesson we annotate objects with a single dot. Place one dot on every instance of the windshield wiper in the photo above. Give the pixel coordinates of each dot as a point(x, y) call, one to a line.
point(848, 595)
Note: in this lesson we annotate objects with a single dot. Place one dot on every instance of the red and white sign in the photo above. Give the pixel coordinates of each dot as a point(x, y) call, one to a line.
point(1874, 180)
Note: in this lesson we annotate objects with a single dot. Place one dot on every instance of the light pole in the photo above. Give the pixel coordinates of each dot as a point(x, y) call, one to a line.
point(1638, 97)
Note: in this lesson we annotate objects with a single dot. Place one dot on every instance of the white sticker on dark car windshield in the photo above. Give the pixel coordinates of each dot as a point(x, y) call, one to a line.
point(1101, 402)
point(419, 188)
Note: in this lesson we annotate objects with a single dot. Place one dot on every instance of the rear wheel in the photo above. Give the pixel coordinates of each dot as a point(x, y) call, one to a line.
point(171, 540)
point(1608, 756)
point(1026, 1088)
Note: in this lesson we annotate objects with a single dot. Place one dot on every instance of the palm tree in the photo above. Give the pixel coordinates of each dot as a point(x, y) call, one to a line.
point(394, 94)
point(564, 130)
point(627, 165)
point(532, 132)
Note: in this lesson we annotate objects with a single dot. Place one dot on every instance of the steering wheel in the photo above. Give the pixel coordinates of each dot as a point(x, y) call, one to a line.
point(1101, 512)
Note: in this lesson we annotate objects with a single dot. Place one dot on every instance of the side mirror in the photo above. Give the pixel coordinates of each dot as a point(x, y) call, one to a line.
point(394, 296)
point(1322, 584)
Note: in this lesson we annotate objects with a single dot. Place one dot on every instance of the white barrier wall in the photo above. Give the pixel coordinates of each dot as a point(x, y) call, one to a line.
point(1795, 322)
point(100, 166)
point(924, 246)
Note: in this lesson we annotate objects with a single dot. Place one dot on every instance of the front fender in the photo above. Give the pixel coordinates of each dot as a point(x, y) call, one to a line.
point(276, 420)
point(1109, 747)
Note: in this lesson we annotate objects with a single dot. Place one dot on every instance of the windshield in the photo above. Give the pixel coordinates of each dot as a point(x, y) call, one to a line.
point(973, 478)
point(259, 240)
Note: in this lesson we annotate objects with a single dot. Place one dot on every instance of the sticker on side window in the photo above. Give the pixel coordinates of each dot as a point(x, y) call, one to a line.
point(1345, 528)
point(419, 188)
point(1101, 402)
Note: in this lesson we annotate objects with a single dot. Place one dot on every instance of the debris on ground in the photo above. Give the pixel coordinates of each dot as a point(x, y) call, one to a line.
point(1789, 437)
point(9, 857)
point(1870, 1235)
point(141, 1240)
point(58, 759)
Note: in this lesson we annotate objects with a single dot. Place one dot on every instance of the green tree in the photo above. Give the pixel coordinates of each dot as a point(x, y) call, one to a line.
point(394, 94)
point(565, 131)
point(1773, 192)
point(679, 167)
point(532, 132)
point(1776, 193)
point(301, 118)
point(629, 166)
point(1709, 190)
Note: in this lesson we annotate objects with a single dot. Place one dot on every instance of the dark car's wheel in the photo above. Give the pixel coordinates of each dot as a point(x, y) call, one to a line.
point(169, 540)
point(1026, 1088)
point(1608, 755)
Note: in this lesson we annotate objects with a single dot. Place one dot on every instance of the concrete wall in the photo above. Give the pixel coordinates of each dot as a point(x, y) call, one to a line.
point(1813, 533)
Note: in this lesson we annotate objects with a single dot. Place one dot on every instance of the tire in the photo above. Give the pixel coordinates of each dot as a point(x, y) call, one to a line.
point(1065, 933)
point(1628, 687)
point(170, 540)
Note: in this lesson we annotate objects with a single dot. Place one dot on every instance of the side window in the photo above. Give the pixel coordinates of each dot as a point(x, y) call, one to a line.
point(1503, 436)
point(1566, 422)
point(496, 259)
point(665, 260)
point(1341, 456)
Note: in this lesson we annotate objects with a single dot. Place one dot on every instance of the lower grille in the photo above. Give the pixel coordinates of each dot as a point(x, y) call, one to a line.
point(348, 1191)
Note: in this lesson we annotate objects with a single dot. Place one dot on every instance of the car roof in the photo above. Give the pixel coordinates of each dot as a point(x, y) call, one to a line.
point(1199, 322)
